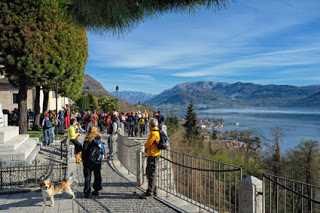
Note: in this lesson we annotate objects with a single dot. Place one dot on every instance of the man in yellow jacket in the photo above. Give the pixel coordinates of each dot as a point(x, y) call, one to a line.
point(153, 152)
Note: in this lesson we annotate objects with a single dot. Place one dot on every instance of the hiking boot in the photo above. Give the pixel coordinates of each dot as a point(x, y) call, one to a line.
point(96, 193)
point(146, 196)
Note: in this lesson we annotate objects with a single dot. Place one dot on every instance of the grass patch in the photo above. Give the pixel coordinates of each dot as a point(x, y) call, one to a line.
point(39, 134)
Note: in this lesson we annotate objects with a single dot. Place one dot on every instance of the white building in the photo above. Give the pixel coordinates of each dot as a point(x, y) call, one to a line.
point(9, 97)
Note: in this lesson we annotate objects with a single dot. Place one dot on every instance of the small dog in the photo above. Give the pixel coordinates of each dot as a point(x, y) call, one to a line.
point(49, 189)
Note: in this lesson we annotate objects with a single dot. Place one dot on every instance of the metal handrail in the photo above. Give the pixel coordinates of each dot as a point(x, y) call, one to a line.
point(208, 184)
point(280, 196)
point(284, 178)
point(205, 159)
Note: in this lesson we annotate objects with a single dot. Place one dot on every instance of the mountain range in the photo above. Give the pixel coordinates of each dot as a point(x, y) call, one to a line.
point(207, 95)
point(133, 97)
point(221, 95)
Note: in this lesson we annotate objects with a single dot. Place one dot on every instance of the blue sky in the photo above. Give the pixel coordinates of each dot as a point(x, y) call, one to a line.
point(259, 41)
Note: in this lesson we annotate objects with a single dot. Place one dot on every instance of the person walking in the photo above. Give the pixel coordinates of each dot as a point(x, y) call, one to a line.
point(66, 115)
point(161, 119)
point(88, 120)
point(142, 124)
point(153, 152)
point(91, 143)
point(130, 124)
point(47, 125)
point(113, 135)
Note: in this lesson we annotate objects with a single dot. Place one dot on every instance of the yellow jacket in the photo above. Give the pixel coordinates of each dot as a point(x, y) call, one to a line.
point(72, 132)
point(150, 146)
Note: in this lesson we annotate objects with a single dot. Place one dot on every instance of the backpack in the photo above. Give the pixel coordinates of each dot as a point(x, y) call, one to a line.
point(68, 112)
point(164, 140)
point(47, 124)
point(142, 121)
point(95, 152)
point(89, 118)
point(110, 129)
point(130, 118)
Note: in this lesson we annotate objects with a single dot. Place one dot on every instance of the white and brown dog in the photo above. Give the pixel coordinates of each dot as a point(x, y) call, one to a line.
point(49, 189)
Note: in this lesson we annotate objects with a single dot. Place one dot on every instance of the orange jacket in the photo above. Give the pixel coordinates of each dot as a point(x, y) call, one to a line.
point(150, 146)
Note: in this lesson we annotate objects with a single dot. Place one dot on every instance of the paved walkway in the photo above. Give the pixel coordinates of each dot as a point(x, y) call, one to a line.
point(117, 195)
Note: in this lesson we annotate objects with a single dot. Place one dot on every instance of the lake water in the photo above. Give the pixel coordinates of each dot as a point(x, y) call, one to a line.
point(296, 124)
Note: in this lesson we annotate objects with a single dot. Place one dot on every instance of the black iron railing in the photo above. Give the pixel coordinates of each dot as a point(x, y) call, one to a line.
point(286, 195)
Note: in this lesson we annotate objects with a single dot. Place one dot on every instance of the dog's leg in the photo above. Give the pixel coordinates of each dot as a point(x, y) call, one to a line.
point(52, 200)
point(70, 192)
point(44, 199)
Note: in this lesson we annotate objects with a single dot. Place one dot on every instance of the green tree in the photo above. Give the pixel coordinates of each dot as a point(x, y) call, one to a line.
point(214, 135)
point(93, 105)
point(83, 103)
point(173, 124)
point(193, 132)
point(123, 15)
point(108, 104)
point(34, 39)
point(304, 162)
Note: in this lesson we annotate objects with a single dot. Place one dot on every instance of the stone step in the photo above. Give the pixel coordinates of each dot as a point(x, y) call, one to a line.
point(21, 153)
point(26, 162)
point(14, 143)
point(8, 132)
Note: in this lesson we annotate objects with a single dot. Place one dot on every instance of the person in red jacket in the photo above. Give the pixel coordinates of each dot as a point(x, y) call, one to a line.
point(67, 115)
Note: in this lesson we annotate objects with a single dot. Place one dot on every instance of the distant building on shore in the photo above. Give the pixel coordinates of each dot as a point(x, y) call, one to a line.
point(9, 97)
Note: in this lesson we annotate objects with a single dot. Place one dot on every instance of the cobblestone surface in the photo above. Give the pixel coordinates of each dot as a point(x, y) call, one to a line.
point(117, 195)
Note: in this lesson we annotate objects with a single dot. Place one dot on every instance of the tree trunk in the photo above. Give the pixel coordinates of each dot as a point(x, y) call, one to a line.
point(37, 109)
point(45, 101)
point(22, 107)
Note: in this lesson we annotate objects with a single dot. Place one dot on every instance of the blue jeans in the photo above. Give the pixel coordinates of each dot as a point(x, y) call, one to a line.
point(52, 135)
point(88, 126)
point(46, 133)
point(110, 145)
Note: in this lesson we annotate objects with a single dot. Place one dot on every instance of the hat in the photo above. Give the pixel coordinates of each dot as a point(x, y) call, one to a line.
point(47, 114)
point(67, 105)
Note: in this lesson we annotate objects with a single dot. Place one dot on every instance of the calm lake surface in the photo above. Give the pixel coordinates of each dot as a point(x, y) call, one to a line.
point(297, 124)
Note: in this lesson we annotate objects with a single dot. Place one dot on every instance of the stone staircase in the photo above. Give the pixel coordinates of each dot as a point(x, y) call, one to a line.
point(17, 149)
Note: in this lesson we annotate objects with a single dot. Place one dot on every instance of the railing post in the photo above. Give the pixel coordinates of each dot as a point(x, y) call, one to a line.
point(250, 200)
point(1, 173)
point(263, 194)
point(139, 167)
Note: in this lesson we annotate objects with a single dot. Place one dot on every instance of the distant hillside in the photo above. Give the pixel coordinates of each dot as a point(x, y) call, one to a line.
point(91, 85)
point(310, 101)
point(133, 96)
point(217, 94)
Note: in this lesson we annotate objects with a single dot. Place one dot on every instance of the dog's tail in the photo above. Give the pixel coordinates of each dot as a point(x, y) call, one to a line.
point(68, 179)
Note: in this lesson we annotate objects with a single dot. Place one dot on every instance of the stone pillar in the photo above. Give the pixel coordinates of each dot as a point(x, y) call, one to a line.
point(164, 128)
point(5, 119)
point(2, 124)
point(250, 195)
point(140, 168)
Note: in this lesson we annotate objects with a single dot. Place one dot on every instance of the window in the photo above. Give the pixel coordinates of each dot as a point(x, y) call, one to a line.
point(15, 98)
point(53, 94)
